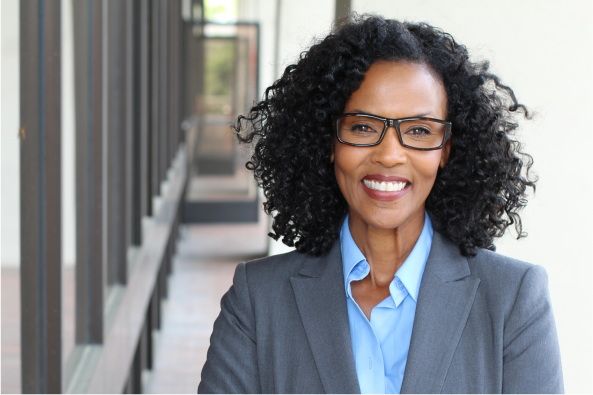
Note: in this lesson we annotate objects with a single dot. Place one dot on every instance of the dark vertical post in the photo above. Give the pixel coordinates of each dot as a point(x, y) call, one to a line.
point(163, 97)
point(342, 8)
point(154, 97)
point(149, 362)
point(115, 130)
point(136, 372)
point(174, 75)
point(143, 88)
point(171, 77)
point(41, 268)
point(125, 115)
point(88, 60)
point(133, 99)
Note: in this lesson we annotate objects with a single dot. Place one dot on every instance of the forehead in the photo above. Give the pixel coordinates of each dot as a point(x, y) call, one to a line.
point(399, 90)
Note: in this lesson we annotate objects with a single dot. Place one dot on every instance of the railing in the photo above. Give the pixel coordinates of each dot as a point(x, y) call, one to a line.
point(118, 363)
point(131, 172)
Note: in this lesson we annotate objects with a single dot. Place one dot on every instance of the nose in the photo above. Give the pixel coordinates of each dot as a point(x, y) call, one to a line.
point(389, 152)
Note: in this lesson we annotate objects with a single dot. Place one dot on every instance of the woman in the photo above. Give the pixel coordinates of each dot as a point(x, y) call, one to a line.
point(386, 159)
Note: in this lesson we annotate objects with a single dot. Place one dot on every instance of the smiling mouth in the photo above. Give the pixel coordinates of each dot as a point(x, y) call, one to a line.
point(385, 186)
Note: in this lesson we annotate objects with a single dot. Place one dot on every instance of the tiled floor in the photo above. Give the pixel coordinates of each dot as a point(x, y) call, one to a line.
point(202, 272)
point(193, 304)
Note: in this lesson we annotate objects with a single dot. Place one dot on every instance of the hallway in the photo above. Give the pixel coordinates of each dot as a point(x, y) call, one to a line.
point(189, 313)
point(201, 275)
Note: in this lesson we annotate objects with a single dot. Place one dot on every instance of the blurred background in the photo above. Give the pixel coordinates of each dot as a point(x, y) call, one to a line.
point(126, 204)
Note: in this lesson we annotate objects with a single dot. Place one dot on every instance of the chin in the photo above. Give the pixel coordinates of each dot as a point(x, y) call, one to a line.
point(383, 220)
point(389, 218)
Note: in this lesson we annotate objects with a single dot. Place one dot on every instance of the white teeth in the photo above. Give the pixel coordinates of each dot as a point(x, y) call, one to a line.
point(385, 186)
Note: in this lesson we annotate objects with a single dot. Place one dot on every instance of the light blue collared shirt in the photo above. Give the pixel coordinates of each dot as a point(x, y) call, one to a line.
point(381, 346)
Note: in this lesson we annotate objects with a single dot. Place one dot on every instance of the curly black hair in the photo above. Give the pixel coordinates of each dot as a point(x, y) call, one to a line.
point(476, 196)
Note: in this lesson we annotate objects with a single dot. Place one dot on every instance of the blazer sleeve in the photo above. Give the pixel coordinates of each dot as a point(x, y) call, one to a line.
point(231, 364)
point(531, 354)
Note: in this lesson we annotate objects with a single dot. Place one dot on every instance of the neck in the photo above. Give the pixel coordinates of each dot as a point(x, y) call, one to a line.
point(385, 249)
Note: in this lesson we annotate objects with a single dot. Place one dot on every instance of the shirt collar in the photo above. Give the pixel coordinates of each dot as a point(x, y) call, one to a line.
point(410, 273)
point(351, 254)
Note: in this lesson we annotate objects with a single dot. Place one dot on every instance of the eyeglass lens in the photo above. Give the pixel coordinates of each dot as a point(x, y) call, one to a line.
point(418, 133)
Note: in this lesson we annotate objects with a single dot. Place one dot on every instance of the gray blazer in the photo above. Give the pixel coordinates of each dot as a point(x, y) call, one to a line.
point(482, 325)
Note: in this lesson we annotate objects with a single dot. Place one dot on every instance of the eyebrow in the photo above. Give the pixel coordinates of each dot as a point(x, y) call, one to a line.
point(358, 111)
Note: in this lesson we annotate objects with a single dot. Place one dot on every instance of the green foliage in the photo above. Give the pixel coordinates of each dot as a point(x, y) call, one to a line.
point(220, 59)
point(220, 9)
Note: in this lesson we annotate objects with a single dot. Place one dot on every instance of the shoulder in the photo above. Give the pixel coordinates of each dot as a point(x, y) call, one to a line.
point(258, 286)
point(276, 267)
point(269, 277)
point(446, 261)
point(502, 271)
point(502, 279)
point(492, 264)
point(511, 286)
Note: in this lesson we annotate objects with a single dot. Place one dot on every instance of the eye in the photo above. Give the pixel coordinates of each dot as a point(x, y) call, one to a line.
point(418, 132)
point(361, 128)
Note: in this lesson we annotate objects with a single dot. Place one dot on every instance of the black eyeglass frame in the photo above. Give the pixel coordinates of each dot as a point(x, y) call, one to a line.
point(388, 122)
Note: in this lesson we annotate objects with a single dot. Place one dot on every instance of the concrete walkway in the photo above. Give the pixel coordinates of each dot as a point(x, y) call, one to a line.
point(203, 271)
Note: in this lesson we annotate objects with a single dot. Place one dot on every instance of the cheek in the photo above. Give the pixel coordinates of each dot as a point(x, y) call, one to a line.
point(427, 168)
point(347, 161)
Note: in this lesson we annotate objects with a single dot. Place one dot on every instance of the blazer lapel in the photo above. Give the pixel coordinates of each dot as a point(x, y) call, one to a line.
point(321, 300)
point(445, 299)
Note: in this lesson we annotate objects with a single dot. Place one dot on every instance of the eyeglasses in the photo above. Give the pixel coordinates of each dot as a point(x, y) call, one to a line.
point(365, 130)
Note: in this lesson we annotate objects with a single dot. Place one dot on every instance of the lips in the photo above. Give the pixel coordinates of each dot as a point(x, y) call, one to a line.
point(384, 187)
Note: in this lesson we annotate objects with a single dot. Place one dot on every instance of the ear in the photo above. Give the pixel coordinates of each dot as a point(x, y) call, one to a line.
point(333, 152)
point(445, 153)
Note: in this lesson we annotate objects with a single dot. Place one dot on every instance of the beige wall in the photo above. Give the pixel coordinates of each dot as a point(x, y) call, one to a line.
point(543, 50)
point(9, 91)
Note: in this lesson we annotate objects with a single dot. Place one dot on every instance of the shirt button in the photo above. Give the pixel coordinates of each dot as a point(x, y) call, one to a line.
point(399, 285)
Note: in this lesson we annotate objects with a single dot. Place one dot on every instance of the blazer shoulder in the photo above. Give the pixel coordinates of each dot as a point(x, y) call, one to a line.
point(495, 265)
point(274, 268)
point(502, 277)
